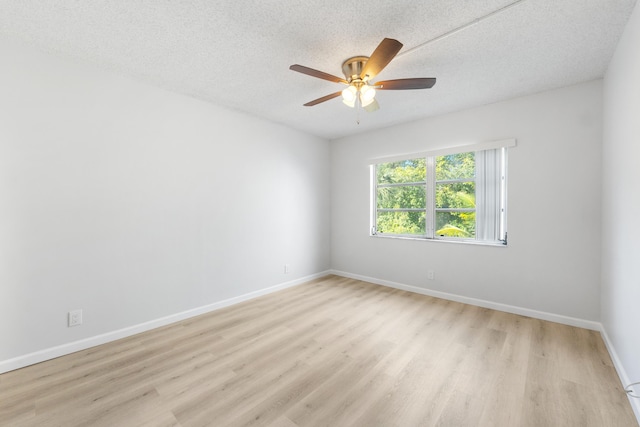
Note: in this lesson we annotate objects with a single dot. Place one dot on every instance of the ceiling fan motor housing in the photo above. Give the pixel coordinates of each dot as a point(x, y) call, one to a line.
point(352, 67)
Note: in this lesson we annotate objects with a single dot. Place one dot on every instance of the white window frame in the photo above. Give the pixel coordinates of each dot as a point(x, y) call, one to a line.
point(491, 192)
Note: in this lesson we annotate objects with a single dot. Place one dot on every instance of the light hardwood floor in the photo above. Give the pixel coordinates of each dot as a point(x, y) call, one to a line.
point(332, 352)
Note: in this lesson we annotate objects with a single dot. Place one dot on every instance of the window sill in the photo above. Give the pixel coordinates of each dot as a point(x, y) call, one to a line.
point(424, 239)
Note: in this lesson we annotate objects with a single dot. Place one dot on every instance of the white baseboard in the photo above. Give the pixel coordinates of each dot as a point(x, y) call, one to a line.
point(557, 318)
point(622, 373)
point(72, 347)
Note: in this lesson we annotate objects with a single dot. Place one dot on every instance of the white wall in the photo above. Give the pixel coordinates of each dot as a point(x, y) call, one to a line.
point(133, 203)
point(552, 261)
point(621, 205)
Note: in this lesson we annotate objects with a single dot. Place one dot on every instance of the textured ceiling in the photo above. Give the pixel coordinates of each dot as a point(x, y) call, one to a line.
point(237, 53)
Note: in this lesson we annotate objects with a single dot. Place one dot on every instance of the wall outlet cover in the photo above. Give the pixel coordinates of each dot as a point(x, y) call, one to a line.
point(75, 318)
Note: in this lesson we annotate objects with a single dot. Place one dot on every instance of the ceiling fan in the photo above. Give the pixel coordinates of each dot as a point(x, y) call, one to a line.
point(358, 72)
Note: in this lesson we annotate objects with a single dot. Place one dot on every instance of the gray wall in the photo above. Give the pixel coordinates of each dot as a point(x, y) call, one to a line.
point(133, 203)
point(621, 206)
point(552, 262)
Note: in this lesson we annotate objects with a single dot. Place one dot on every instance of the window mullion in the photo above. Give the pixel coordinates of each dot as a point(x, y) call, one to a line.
point(430, 197)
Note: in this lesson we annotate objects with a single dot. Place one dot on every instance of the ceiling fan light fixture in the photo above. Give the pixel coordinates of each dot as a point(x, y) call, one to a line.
point(367, 93)
point(351, 103)
point(366, 102)
point(371, 106)
point(349, 95)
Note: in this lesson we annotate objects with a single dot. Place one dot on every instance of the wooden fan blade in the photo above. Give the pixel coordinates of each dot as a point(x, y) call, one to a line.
point(402, 84)
point(324, 98)
point(384, 53)
point(315, 73)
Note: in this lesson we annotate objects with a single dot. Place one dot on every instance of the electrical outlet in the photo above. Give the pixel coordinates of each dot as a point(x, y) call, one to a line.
point(431, 275)
point(287, 269)
point(75, 318)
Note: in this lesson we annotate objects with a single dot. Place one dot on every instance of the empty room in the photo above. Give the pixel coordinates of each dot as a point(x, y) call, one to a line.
point(295, 214)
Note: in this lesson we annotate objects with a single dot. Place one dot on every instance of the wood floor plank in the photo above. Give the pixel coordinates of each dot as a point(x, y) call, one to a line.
point(504, 398)
point(331, 352)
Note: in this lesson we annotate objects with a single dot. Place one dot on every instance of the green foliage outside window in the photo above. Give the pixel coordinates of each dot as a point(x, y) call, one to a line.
point(408, 192)
point(412, 196)
point(456, 195)
point(414, 170)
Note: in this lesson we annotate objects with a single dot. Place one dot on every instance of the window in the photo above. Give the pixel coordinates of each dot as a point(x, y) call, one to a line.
point(459, 196)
